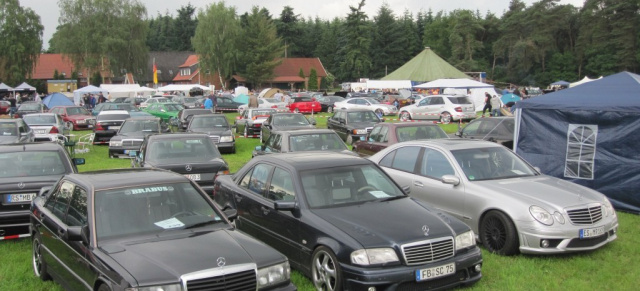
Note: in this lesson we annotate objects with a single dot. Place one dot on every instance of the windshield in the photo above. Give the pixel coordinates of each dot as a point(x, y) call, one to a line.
point(165, 207)
point(30, 106)
point(173, 107)
point(334, 187)
point(103, 117)
point(127, 107)
point(316, 142)
point(362, 116)
point(140, 126)
point(39, 119)
point(459, 100)
point(262, 112)
point(163, 100)
point(372, 101)
point(77, 111)
point(31, 163)
point(407, 133)
point(491, 163)
point(289, 119)
point(208, 122)
point(8, 129)
point(184, 150)
point(189, 99)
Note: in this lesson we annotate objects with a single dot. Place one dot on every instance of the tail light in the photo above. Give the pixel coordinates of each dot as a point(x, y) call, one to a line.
point(458, 109)
point(274, 106)
point(54, 130)
point(221, 172)
point(98, 127)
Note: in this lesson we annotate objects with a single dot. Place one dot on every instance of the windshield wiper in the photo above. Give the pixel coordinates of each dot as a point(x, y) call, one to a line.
point(202, 223)
point(391, 198)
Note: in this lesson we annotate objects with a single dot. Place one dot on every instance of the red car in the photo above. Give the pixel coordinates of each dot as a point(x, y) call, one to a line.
point(304, 105)
point(76, 117)
point(385, 134)
point(4, 107)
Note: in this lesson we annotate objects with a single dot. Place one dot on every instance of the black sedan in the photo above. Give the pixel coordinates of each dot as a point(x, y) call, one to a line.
point(226, 104)
point(495, 129)
point(327, 102)
point(218, 129)
point(25, 169)
point(285, 121)
point(107, 125)
point(145, 229)
point(346, 225)
point(132, 133)
point(30, 107)
point(193, 155)
point(302, 140)
point(353, 124)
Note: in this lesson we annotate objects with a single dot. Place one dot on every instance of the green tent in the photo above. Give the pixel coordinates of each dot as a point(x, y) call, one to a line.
point(426, 66)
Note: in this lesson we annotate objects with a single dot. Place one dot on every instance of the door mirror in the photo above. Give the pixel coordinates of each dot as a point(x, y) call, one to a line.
point(78, 161)
point(406, 189)
point(231, 213)
point(451, 179)
point(284, 205)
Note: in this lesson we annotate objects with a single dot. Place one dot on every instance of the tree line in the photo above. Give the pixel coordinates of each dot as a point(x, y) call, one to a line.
point(527, 45)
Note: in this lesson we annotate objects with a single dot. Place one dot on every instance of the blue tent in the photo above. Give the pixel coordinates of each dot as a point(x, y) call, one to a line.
point(510, 97)
point(57, 99)
point(242, 98)
point(587, 134)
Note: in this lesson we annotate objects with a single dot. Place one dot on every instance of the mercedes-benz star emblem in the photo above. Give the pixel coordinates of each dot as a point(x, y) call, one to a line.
point(20, 185)
point(221, 261)
point(425, 229)
point(188, 168)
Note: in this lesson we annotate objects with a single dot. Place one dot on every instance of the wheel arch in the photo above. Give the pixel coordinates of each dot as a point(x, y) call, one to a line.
point(484, 214)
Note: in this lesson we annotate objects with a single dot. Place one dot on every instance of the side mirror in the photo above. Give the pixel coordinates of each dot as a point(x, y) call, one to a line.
point(451, 179)
point(537, 169)
point(259, 148)
point(284, 205)
point(458, 133)
point(312, 121)
point(231, 213)
point(78, 161)
point(75, 233)
point(406, 189)
point(44, 191)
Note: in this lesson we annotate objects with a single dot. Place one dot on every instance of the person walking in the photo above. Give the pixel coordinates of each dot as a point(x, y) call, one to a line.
point(253, 101)
point(495, 105)
point(487, 103)
point(208, 103)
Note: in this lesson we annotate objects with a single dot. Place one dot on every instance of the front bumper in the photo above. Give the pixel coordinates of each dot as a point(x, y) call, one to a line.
point(226, 146)
point(123, 151)
point(404, 277)
point(14, 224)
point(48, 137)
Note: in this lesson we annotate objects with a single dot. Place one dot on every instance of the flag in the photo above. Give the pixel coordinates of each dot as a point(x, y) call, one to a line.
point(155, 73)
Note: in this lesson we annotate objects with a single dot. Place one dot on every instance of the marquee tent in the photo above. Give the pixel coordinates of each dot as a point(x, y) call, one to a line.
point(424, 67)
point(560, 83)
point(388, 84)
point(77, 94)
point(56, 99)
point(460, 87)
point(24, 87)
point(183, 87)
point(584, 80)
point(587, 135)
point(5, 87)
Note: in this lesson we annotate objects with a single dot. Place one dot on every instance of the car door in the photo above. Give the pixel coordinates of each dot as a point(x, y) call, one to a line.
point(422, 107)
point(372, 144)
point(25, 132)
point(273, 144)
point(434, 108)
point(250, 200)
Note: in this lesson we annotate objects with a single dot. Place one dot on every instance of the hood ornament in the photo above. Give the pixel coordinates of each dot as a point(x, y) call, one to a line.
point(188, 168)
point(20, 185)
point(425, 229)
point(221, 261)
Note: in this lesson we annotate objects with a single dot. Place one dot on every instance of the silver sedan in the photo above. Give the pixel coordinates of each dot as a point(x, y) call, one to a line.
point(508, 203)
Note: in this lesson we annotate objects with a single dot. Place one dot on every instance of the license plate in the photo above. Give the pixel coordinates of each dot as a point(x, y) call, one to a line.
point(193, 177)
point(19, 198)
point(591, 232)
point(114, 127)
point(41, 131)
point(81, 122)
point(435, 272)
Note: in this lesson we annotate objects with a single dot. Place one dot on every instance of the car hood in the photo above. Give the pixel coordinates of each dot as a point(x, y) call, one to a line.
point(179, 166)
point(214, 131)
point(542, 190)
point(292, 127)
point(6, 139)
point(163, 259)
point(377, 224)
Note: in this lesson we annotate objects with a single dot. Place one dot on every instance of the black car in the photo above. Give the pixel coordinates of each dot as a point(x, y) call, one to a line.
point(495, 129)
point(226, 104)
point(284, 121)
point(145, 229)
point(193, 155)
point(185, 115)
point(15, 130)
point(327, 102)
point(30, 107)
point(185, 101)
point(300, 140)
point(218, 129)
point(131, 134)
point(107, 125)
point(344, 223)
point(352, 124)
point(25, 169)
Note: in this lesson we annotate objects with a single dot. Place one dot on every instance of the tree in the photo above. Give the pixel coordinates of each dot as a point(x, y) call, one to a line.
point(56, 75)
point(289, 30)
point(356, 61)
point(103, 34)
point(313, 80)
point(96, 79)
point(217, 40)
point(463, 39)
point(262, 46)
point(21, 35)
point(184, 28)
point(387, 43)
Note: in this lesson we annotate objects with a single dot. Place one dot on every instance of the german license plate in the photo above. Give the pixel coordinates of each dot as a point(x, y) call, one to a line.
point(114, 127)
point(193, 177)
point(591, 232)
point(41, 131)
point(435, 272)
point(19, 198)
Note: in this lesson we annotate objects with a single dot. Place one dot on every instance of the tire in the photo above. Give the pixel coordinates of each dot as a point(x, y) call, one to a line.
point(39, 266)
point(325, 270)
point(69, 125)
point(246, 132)
point(350, 139)
point(498, 234)
point(445, 117)
point(379, 112)
point(233, 150)
point(104, 287)
point(405, 116)
point(330, 109)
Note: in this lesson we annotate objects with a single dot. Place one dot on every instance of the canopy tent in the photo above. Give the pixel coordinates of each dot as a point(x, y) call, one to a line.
point(184, 87)
point(584, 80)
point(424, 67)
point(510, 97)
point(77, 94)
point(453, 83)
point(560, 83)
point(56, 99)
point(388, 84)
point(268, 92)
point(242, 98)
point(586, 134)
point(5, 87)
point(121, 90)
point(24, 87)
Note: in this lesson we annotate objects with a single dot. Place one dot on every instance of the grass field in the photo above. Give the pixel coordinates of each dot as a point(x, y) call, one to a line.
point(613, 267)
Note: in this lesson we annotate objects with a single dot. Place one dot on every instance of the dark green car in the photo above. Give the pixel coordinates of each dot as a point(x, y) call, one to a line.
point(166, 111)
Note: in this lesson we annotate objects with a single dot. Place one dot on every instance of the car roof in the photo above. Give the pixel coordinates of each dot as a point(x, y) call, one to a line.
point(109, 112)
point(133, 177)
point(9, 120)
point(37, 146)
point(354, 109)
point(176, 135)
point(312, 160)
point(305, 131)
point(453, 143)
point(143, 117)
point(40, 114)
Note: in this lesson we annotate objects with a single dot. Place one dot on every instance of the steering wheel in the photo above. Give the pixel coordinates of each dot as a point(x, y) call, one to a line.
point(365, 188)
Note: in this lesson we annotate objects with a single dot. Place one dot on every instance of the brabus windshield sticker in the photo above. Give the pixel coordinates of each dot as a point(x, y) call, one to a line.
point(170, 223)
point(193, 141)
point(379, 194)
point(148, 190)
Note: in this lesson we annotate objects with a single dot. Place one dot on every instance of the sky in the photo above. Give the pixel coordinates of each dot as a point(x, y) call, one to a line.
point(325, 9)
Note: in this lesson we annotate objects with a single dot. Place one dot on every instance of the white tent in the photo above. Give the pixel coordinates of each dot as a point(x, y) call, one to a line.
point(477, 95)
point(121, 90)
point(390, 84)
point(184, 87)
point(5, 87)
point(453, 83)
point(584, 80)
point(24, 87)
point(77, 94)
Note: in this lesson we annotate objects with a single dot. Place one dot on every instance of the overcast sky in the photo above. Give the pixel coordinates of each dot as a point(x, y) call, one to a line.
point(325, 9)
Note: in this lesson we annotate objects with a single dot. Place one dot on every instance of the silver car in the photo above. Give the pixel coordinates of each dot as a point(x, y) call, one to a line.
point(508, 203)
point(445, 108)
point(47, 126)
point(367, 103)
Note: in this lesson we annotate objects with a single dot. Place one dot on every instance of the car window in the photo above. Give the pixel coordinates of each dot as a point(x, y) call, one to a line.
point(289, 119)
point(58, 202)
point(419, 132)
point(8, 129)
point(77, 215)
point(31, 164)
point(178, 150)
point(471, 128)
point(273, 143)
point(375, 134)
point(384, 134)
point(459, 100)
point(281, 187)
point(435, 164)
point(258, 179)
point(491, 163)
point(403, 159)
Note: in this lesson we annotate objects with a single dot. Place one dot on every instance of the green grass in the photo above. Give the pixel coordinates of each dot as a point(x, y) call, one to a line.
point(613, 267)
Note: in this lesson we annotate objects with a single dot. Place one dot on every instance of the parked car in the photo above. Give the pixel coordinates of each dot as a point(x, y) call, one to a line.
point(250, 122)
point(30, 107)
point(75, 117)
point(168, 112)
point(217, 128)
point(385, 134)
point(133, 100)
point(366, 103)
point(304, 105)
point(124, 229)
point(352, 124)
point(226, 104)
point(326, 102)
point(185, 101)
point(495, 129)
point(193, 155)
point(25, 169)
point(185, 115)
point(346, 225)
point(284, 121)
point(107, 125)
point(508, 203)
point(266, 103)
point(154, 100)
point(445, 108)
point(5, 106)
point(47, 126)
point(131, 134)
point(130, 108)
point(317, 139)
point(15, 130)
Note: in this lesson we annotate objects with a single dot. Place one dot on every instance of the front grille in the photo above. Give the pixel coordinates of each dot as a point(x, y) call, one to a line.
point(131, 142)
point(585, 216)
point(215, 138)
point(435, 283)
point(588, 242)
point(229, 278)
point(428, 251)
point(369, 129)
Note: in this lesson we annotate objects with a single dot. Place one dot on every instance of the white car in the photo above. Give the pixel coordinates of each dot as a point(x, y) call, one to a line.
point(266, 103)
point(154, 100)
point(445, 108)
point(366, 103)
point(47, 126)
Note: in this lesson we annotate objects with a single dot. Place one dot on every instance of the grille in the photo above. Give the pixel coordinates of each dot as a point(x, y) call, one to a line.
point(585, 216)
point(369, 129)
point(131, 142)
point(229, 278)
point(428, 251)
point(215, 138)
point(589, 242)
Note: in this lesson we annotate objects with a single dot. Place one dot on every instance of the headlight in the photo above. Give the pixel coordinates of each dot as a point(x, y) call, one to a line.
point(226, 138)
point(117, 143)
point(273, 275)
point(541, 215)
point(606, 205)
point(359, 131)
point(558, 216)
point(465, 240)
point(367, 257)
point(172, 287)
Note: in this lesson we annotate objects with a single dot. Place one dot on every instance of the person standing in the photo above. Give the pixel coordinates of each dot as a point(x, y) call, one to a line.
point(495, 105)
point(208, 103)
point(13, 107)
point(487, 103)
point(253, 101)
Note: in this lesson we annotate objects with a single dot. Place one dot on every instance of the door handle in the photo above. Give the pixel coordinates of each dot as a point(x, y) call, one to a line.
point(418, 184)
point(61, 232)
point(265, 210)
point(238, 198)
